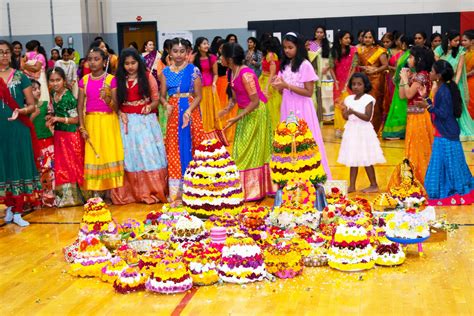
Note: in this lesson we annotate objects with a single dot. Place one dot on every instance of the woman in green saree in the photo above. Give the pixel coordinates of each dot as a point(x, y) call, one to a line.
point(396, 122)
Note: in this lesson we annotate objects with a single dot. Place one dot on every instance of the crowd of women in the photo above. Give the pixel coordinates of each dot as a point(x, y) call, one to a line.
point(98, 127)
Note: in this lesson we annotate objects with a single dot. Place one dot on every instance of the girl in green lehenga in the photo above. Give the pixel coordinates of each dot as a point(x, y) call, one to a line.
point(396, 122)
point(451, 51)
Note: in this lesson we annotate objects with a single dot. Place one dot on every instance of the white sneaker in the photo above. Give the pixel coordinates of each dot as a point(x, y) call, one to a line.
point(19, 221)
point(8, 214)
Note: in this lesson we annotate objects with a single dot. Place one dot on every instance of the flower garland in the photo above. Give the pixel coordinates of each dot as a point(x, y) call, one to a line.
point(202, 261)
point(299, 192)
point(284, 259)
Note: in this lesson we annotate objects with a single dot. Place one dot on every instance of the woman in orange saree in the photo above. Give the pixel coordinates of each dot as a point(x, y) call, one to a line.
point(373, 62)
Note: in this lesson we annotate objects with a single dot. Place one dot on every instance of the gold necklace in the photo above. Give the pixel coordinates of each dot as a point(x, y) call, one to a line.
point(134, 82)
point(178, 69)
point(5, 69)
point(58, 97)
point(98, 77)
point(234, 75)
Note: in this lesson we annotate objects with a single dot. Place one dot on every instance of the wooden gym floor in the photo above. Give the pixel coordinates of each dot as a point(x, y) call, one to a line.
point(34, 279)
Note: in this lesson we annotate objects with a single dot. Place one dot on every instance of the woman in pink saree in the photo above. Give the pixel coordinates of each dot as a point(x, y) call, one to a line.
point(342, 61)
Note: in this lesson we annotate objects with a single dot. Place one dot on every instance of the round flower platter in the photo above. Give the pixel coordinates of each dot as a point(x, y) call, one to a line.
point(405, 241)
point(144, 245)
point(111, 242)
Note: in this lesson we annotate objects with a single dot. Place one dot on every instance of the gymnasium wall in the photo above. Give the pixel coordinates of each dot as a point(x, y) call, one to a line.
point(404, 23)
point(31, 19)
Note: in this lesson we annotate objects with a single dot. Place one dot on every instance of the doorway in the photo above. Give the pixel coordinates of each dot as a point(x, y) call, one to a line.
point(137, 32)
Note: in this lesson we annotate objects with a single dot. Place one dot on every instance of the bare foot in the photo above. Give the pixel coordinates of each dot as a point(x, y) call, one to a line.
point(176, 203)
point(371, 189)
point(350, 189)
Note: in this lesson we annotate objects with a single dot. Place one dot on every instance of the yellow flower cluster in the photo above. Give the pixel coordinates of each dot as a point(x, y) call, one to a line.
point(205, 278)
point(365, 221)
point(351, 266)
point(299, 192)
point(207, 180)
point(212, 198)
point(166, 208)
point(170, 270)
point(309, 174)
point(288, 139)
point(232, 241)
point(241, 274)
point(94, 204)
point(302, 245)
point(284, 256)
point(90, 226)
point(279, 262)
point(108, 278)
point(116, 268)
point(256, 211)
point(149, 261)
point(233, 211)
point(132, 270)
point(163, 235)
point(99, 216)
point(96, 247)
point(381, 262)
point(138, 230)
point(403, 193)
point(341, 238)
point(93, 270)
point(297, 164)
point(219, 163)
point(296, 211)
point(325, 237)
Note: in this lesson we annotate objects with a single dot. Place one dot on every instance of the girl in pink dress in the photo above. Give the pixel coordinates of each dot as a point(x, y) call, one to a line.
point(296, 82)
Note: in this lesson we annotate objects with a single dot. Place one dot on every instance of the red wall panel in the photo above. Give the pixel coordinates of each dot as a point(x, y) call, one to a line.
point(467, 21)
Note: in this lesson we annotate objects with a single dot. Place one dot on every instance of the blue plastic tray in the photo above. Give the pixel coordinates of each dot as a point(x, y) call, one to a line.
point(404, 241)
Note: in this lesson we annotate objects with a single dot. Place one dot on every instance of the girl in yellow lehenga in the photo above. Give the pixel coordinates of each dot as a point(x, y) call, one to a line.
point(270, 68)
point(210, 103)
point(222, 85)
point(99, 126)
